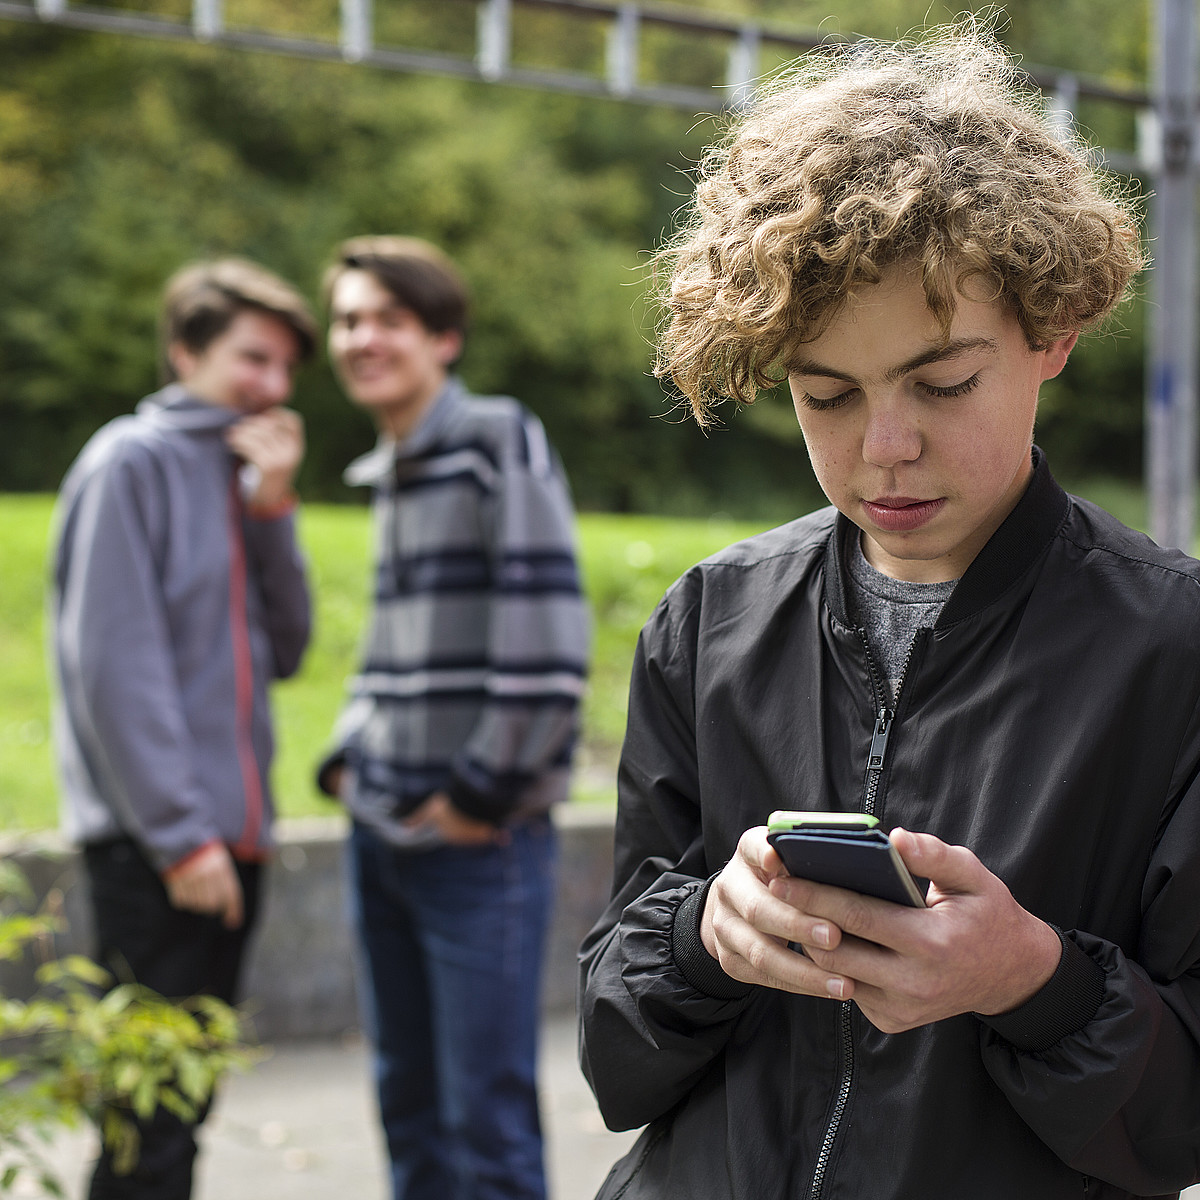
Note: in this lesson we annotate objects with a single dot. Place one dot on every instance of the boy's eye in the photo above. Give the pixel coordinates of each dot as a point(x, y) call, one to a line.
point(948, 393)
point(828, 403)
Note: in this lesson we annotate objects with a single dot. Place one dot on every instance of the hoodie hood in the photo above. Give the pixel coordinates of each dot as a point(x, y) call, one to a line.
point(174, 407)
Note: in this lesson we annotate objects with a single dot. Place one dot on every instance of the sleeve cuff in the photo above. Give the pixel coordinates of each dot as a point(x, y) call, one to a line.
point(483, 806)
point(1067, 1002)
point(328, 764)
point(169, 873)
point(272, 512)
point(695, 963)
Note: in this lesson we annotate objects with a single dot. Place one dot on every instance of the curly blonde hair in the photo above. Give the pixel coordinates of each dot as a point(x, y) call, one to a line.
point(867, 155)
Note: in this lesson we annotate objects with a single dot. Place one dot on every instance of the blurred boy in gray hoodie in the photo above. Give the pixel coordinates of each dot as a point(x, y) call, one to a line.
point(179, 593)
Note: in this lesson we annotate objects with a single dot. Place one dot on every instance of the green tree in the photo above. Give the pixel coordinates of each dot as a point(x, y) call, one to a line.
point(122, 158)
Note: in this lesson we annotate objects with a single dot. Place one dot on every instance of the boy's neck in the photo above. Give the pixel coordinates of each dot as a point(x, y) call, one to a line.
point(400, 421)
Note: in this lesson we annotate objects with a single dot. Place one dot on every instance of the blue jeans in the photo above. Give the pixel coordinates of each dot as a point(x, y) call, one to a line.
point(452, 942)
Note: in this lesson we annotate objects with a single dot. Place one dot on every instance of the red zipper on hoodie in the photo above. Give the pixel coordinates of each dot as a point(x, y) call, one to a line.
point(246, 847)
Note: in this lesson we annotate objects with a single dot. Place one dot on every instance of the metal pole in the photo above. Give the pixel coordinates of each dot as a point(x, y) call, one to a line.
point(622, 66)
point(494, 39)
point(356, 29)
point(208, 20)
point(1061, 105)
point(1171, 363)
point(743, 67)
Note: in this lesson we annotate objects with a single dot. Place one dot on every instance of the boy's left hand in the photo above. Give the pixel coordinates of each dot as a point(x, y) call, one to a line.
point(972, 949)
point(272, 441)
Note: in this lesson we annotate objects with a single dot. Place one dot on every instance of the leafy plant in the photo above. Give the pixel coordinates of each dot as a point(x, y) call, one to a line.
point(75, 1052)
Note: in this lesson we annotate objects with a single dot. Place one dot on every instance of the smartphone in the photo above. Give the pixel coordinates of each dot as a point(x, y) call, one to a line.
point(848, 850)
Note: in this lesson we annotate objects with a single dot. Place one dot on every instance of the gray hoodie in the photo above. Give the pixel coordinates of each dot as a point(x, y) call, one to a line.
point(172, 610)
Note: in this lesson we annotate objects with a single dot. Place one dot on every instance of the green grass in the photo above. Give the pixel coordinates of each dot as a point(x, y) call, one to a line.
point(27, 784)
point(627, 564)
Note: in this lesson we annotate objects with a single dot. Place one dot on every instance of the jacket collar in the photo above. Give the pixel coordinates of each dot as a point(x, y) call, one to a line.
point(1019, 542)
point(375, 467)
point(174, 407)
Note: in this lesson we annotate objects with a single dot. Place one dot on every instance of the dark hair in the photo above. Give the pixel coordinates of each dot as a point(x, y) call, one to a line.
point(203, 299)
point(417, 274)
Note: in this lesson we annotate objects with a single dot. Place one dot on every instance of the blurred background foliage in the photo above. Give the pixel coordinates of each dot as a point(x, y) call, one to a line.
point(121, 158)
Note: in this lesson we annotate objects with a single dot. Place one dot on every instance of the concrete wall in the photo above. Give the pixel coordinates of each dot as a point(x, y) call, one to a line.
point(300, 981)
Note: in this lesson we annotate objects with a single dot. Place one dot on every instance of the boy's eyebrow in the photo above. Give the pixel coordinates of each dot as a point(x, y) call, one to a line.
point(391, 306)
point(952, 349)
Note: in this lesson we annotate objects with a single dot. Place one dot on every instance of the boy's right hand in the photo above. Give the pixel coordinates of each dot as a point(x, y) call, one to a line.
point(747, 929)
point(208, 883)
point(332, 780)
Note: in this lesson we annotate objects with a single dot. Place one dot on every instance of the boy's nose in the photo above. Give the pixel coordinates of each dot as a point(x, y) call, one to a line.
point(890, 437)
point(277, 383)
point(364, 335)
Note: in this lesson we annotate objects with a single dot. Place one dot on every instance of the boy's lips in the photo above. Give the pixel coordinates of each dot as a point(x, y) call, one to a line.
point(901, 514)
point(369, 366)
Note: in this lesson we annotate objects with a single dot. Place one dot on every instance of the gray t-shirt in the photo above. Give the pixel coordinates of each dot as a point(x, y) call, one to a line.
point(891, 611)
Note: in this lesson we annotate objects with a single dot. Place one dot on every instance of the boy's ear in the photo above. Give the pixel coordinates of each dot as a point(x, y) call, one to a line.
point(182, 359)
point(450, 346)
point(1055, 356)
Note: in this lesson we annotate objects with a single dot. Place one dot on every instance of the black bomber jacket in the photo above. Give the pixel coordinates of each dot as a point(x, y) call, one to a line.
point(1050, 722)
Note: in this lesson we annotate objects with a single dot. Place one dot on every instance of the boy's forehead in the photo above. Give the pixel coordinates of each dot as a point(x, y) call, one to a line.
point(276, 325)
point(252, 327)
point(891, 325)
point(358, 290)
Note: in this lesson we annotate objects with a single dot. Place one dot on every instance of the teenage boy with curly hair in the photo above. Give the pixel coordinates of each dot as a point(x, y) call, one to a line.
point(1002, 673)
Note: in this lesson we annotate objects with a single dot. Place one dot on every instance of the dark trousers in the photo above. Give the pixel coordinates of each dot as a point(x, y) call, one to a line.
point(142, 938)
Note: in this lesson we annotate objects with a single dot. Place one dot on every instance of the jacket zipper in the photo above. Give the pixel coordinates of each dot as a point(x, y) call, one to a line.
point(845, 1040)
point(883, 721)
point(876, 755)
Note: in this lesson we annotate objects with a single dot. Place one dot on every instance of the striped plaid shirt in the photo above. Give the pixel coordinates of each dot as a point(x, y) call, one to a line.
point(475, 657)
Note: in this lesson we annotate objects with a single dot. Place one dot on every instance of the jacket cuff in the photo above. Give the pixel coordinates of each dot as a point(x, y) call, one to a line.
point(695, 963)
point(169, 873)
point(483, 806)
point(1069, 999)
point(325, 767)
point(272, 512)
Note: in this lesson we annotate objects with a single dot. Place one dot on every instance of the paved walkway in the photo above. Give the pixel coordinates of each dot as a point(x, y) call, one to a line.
point(301, 1126)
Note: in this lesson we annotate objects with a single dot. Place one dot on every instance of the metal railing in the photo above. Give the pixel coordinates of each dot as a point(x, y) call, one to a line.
point(1165, 152)
point(745, 46)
